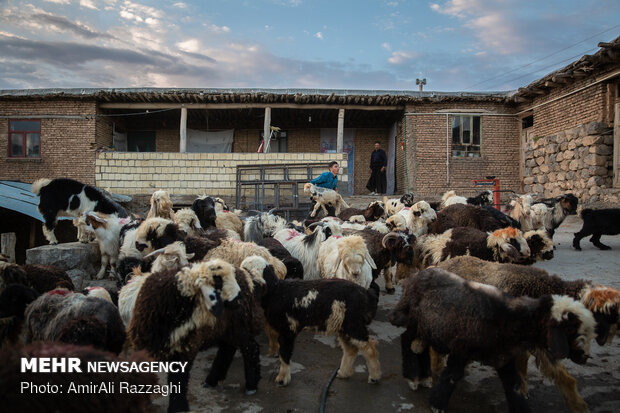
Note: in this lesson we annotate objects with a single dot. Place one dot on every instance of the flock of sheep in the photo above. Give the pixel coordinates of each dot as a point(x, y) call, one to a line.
point(206, 276)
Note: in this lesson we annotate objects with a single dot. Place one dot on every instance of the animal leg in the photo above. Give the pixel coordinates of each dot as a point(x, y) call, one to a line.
point(441, 392)
point(287, 342)
point(316, 208)
point(510, 378)
point(48, 230)
point(437, 364)
point(578, 236)
point(563, 381)
point(596, 240)
point(521, 365)
point(104, 264)
point(416, 366)
point(178, 401)
point(221, 363)
point(272, 335)
point(388, 275)
point(251, 364)
point(349, 353)
point(370, 352)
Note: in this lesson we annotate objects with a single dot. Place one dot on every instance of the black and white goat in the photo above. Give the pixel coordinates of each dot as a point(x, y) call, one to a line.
point(373, 212)
point(67, 197)
point(262, 226)
point(470, 321)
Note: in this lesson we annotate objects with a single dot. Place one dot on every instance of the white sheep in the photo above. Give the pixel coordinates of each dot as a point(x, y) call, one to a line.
point(324, 197)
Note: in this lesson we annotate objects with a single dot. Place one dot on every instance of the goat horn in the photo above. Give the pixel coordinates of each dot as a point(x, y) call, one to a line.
point(155, 253)
point(271, 211)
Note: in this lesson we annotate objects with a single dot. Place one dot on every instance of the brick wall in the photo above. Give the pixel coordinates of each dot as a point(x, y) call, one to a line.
point(67, 145)
point(427, 152)
point(189, 173)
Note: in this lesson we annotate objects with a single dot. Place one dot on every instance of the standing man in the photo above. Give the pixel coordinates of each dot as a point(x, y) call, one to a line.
point(328, 179)
point(378, 163)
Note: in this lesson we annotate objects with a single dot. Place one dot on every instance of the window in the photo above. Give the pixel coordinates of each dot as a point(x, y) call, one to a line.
point(24, 138)
point(527, 122)
point(466, 136)
point(279, 141)
point(143, 141)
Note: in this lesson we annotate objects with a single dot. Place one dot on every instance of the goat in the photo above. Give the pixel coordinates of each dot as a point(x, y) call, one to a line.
point(262, 226)
point(596, 223)
point(333, 306)
point(161, 206)
point(204, 207)
point(67, 197)
point(503, 245)
point(470, 321)
point(188, 222)
point(517, 280)
point(324, 197)
point(294, 267)
point(373, 212)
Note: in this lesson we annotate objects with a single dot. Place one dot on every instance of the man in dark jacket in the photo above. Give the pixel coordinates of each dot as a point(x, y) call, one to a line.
point(378, 163)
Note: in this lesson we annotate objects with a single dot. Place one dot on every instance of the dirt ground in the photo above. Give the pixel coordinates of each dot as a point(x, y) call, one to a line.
point(316, 357)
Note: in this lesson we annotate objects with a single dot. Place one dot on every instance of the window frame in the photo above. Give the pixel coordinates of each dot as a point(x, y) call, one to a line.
point(24, 134)
point(466, 152)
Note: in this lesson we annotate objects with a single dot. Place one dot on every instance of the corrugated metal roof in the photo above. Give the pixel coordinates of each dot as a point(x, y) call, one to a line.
point(16, 196)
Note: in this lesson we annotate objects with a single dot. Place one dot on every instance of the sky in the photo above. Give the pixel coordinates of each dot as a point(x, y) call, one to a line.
point(456, 45)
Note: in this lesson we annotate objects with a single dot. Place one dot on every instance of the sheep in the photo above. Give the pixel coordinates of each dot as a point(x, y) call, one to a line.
point(596, 223)
point(373, 212)
point(394, 205)
point(177, 312)
point(231, 221)
point(173, 257)
point(420, 216)
point(517, 280)
point(156, 233)
point(521, 211)
point(324, 197)
point(333, 306)
point(386, 251)
point(204, 207)
point(548, 213)
point(188, 221)
point(83, 235)
point(129, 256)
point(541, 247)
point(220, 205)
point(306, 247)
point(294, 267)
point(63, 196)
point(235, 252)
point(503, 245)
point(14, 299)
point(161, 206)
point(107, 229)
point(70, 398)
point(470, 321)
point(262, 226)
point(460, 215)
point(483, 198)
point(398, 221)
point(451, 198)
point(346, 258)
point(41, 278)
point(60, 315)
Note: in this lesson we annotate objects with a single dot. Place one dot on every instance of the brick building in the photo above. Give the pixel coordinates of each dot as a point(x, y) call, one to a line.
point(552, 136)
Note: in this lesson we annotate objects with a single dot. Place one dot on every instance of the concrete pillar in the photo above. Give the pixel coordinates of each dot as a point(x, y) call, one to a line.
point(340, 134)
point(183, 131)
point(267, 129)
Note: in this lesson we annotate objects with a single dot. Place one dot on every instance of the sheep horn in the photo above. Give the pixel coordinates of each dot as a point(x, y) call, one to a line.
point(271, 211)
point(390, 237)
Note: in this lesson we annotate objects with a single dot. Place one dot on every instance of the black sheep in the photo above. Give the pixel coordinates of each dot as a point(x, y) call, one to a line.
point(204, 207)
point(597, 222)
point(294, 267)
point(465, 215)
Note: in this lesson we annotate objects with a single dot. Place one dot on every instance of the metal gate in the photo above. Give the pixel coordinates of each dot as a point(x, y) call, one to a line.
point(262, 187)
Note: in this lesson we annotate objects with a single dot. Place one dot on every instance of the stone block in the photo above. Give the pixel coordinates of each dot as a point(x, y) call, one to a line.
point(602, 150)
point(574, 165)
point(592, 140)
point(568, 155)
point(540, 160)
point(595, 160)
point(595, 128)
point(545, 168)
point(68, 256)
point(542, 179)
point(572, 145)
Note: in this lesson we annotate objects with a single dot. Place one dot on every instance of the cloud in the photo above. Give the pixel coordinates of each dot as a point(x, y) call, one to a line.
point(180, 5)
point(140, 13)
point(88, 4)
point(400, 57)
point(386, 46)
point(494, 24)
point(62, 24)
point(319, 35)
point(58, 1)
point(218, 29)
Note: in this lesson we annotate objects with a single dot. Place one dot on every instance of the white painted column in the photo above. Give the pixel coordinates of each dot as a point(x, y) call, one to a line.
point(183, 131)
point(267, 129)
point(340, 134)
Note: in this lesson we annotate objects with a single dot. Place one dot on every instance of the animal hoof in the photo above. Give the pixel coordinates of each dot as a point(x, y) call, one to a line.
point(372, 381)
point(390, 290)
point(250, 392)
point(54, 243)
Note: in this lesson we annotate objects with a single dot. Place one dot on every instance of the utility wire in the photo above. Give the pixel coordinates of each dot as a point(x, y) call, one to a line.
point(543, 58)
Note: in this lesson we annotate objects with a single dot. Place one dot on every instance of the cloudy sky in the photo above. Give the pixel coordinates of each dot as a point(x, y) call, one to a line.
point(457, 45)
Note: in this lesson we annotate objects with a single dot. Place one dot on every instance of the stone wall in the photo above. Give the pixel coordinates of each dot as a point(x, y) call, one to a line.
point(577, 160)
point(192, 173)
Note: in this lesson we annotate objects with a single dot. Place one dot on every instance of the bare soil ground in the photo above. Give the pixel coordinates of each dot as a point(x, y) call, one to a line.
point(316, 357)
